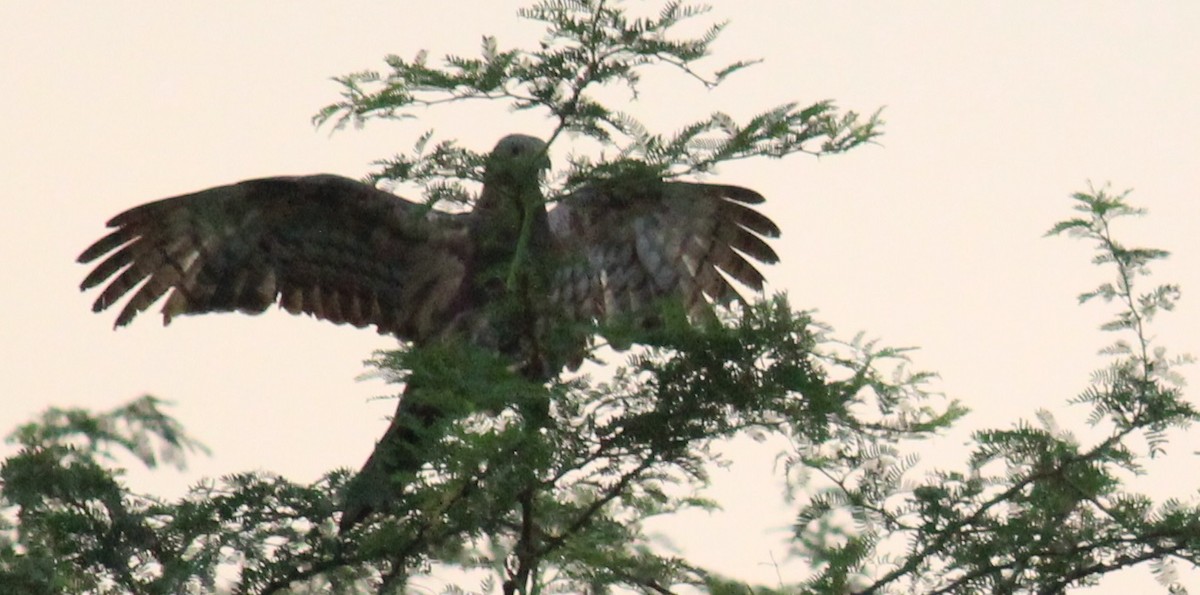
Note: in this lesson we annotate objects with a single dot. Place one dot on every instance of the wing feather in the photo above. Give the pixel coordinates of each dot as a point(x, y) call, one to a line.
point(323, 245)
point(680, 241)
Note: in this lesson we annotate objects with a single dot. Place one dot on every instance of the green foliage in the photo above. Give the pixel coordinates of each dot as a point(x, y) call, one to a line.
point(589, 45)
point(1035, 510)
point(559, 503)
point(132, 428)
point(568, 513)
point(80, 528)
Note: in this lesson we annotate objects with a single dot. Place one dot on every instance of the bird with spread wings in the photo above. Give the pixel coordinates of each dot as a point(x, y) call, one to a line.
point(511, 276)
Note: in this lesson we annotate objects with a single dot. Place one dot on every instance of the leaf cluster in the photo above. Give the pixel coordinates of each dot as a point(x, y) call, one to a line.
point(1035, 510)
point(589, 45)
point(544, 486)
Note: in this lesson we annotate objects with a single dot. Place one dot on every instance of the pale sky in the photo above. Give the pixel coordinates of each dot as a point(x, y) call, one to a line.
point(995, 113)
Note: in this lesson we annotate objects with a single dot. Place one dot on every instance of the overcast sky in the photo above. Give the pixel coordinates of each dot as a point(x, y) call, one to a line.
point(996, 113)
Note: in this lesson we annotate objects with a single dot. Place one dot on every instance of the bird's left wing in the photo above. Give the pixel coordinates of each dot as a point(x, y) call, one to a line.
point(629, 248)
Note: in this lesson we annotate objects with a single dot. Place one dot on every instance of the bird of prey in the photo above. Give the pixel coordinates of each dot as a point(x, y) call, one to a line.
point(510, 275)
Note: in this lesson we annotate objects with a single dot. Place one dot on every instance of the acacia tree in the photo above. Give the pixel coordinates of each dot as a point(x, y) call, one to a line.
point(1033, 509)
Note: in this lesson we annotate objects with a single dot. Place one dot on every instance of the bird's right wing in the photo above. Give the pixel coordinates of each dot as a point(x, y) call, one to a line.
point(324, 245)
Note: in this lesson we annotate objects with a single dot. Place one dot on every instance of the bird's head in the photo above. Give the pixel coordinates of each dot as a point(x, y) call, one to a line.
point(521, 148)
point(513, 173)
point(517, 160)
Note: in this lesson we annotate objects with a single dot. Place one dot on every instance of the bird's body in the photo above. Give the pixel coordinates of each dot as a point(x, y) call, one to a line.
point(509, 276)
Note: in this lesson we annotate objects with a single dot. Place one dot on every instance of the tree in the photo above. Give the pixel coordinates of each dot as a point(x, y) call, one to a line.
point(600, 457)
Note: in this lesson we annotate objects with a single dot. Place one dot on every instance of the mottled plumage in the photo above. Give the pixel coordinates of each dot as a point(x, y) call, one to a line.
point(344, 251)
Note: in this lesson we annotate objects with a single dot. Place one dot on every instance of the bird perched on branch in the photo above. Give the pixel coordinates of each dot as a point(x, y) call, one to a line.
point(510, 275)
